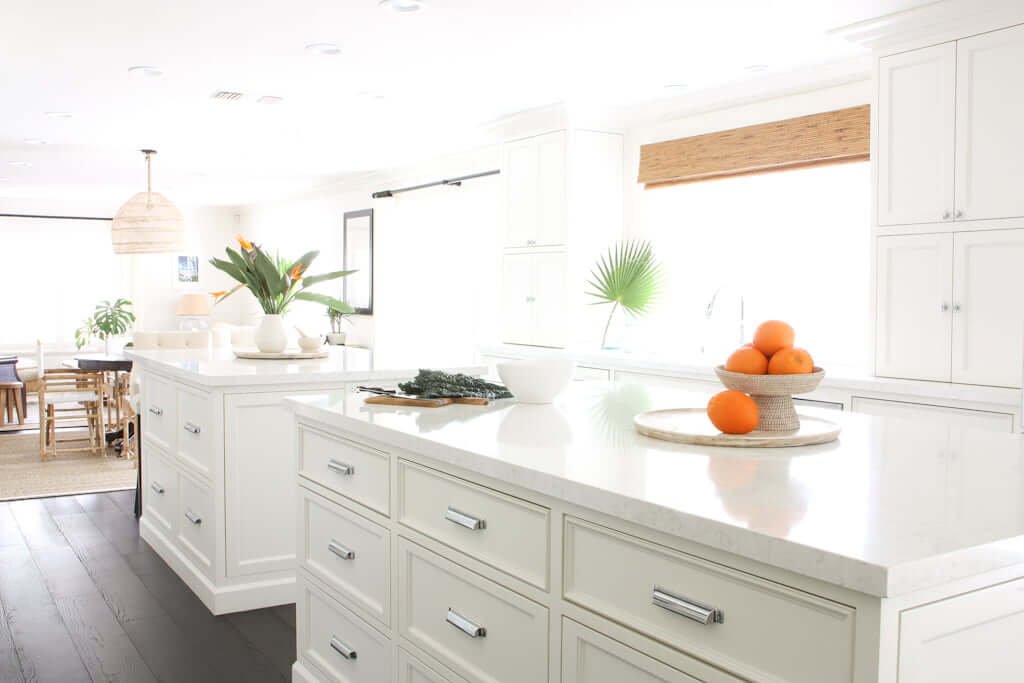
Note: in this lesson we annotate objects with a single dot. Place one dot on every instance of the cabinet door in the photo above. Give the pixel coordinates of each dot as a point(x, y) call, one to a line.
point(940, 416)
point(990, 125)
point(913, 336)
point(988, 307)
point(517, 299)
point(915, 121)
point(550, 299)
point(551, 189)
point(521, 201)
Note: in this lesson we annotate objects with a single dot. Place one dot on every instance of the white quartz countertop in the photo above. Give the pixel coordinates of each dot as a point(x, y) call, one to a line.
point(892, 507)
point(220, 367)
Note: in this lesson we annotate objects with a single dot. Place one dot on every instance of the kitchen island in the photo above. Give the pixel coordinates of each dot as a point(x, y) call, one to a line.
point(218, 461)
point(519, 543)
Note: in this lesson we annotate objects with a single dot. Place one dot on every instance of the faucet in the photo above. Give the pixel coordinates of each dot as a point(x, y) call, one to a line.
point(709, 310)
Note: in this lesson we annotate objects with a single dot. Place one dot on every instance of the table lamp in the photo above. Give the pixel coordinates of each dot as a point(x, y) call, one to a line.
point(193, 309)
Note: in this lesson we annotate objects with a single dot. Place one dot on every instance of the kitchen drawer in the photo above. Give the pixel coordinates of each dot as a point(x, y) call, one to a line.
point(195, 430)
point(337, 642)
point(158, 417)
point(435, 594)
point(592, 657)
point(160, 492)
point(355, 470)
point(767, 629)
point(513, 535)
point(349, 553)
point(412, 670)
point(196, 523)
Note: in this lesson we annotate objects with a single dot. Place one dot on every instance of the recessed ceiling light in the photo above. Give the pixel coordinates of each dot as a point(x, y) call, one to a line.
point(756, 68)
point(270, 99)
point(370, 95)
point(403, 6)
point(20, 164)
point(59, 114)
point(145, 71)
point(34, 141)
point(323, 49)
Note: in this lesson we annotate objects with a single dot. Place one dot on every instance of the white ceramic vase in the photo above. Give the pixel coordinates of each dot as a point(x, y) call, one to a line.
point(270, 335)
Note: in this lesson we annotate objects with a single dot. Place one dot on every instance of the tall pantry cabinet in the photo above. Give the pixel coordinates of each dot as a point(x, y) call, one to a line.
point(562, 207)
point(949, 237)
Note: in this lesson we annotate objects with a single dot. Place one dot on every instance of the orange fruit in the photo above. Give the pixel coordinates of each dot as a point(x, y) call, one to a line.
point(733, 412)
point(790, 361)
point(747, 360)
point(772, 335)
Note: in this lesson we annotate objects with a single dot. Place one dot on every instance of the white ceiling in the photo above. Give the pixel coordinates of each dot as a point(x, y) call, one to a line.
point(406, 86)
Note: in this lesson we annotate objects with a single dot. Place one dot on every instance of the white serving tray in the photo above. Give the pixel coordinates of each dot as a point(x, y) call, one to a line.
point(692, 426)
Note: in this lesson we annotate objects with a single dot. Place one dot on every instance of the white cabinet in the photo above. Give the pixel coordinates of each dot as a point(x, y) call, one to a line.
point(913, 316)
point(915, 138)
point(535, 191)
point(949, 307)
point(949, 144)
point(989, 130)
point(535, 300)
point(938, 415)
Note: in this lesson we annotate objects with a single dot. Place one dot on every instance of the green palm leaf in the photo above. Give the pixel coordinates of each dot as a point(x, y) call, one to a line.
point(628, 276)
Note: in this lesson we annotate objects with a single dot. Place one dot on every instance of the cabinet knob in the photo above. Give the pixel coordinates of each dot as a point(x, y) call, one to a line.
point(945, 215)
point(956, 308)
point(531, 243)
point(959, 214)
point(943, 307)
point(530, 299)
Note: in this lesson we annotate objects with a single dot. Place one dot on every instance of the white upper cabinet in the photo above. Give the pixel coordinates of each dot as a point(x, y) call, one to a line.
point(913, 337)
point(990, 125)
point(534, 292)
point(535, 191)
point(988, 307)
point(915, 120)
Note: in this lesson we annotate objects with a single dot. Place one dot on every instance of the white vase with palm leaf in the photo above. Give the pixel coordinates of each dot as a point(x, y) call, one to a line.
point(627, 278)
point(277, 284)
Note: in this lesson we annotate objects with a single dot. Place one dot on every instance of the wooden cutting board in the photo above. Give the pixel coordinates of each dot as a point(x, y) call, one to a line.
point(424, 402)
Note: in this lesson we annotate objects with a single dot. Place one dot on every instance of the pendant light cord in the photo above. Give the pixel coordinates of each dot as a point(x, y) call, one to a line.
point(149, 176)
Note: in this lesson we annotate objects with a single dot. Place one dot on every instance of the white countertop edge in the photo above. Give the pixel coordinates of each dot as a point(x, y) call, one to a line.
point(825, 566)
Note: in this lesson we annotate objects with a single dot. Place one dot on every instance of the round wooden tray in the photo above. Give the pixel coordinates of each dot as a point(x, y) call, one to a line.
point(284, 355)
point(692, 426)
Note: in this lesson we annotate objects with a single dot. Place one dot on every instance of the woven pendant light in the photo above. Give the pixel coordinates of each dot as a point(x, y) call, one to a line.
point(148, 223)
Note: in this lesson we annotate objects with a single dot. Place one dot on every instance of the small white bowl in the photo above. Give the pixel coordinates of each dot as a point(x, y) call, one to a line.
point(310, 344)
point(536, 381)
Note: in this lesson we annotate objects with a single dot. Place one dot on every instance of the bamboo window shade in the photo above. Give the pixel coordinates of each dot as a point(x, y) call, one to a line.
point(830, 137)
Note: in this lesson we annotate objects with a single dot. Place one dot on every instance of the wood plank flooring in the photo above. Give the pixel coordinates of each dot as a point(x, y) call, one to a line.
point(83, 598)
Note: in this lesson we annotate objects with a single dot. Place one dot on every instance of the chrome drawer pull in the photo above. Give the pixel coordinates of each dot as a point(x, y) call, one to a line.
point(156, 487)
point(341, 467)
point(193, 517)
point(465, 625)
point(191, 428)
point(341, 551)
point(462, 519)
point(156, 411)
point(702, 614)
point(342, 649)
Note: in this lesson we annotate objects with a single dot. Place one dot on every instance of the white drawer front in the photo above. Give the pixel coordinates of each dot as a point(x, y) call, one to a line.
point(195, 430)
point(412, 670)
point(768, 629)
point(355, 470)
point(434, 593)
point(159, 414)
point(160, 492)
point(337, 642)
point(591, 657)
point(349, 553)
point(513, 535)
point(196, 523)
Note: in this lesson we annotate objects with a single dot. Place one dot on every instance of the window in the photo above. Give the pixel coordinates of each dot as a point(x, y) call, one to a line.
point(794, 245)
point(54, 273)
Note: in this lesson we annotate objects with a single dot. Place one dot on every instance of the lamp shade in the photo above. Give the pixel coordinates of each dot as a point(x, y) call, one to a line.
point(148, 223)
point(193, 304)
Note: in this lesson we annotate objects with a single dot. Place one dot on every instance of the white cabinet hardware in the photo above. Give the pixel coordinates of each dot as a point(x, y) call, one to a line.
point(191, 428)
point(193, 517)
point(341, 551)
point(341, 468)
point(156, 410)
point(157, 487)
point(691, 609)
point(342, 649)
point(465, 625)
point(462, 519)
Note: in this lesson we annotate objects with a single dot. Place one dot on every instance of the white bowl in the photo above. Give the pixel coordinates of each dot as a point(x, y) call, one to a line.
point(536, 381)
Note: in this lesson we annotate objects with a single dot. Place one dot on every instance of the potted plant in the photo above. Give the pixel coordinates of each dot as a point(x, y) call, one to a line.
point(627, 277)
point(109, 319)
point(276, 283)
point(336, 317)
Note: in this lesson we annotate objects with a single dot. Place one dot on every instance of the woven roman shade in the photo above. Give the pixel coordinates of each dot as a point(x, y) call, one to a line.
point(829, 137)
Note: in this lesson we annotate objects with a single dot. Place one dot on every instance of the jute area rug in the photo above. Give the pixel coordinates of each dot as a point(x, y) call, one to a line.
point(24, 475)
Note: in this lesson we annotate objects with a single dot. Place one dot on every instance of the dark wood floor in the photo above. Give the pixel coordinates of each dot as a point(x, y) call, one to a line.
point(83, 598)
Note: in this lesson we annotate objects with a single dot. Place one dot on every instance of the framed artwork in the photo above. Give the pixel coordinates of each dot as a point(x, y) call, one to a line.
point(358, 256)
point(188, 269)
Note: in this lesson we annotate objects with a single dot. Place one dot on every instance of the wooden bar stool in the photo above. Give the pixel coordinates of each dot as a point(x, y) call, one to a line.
point(11, 397)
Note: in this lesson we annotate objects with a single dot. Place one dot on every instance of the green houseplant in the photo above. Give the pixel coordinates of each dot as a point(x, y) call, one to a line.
point(276, 283)
point(108, 319)
point(627, 277)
